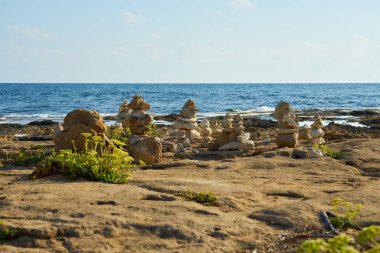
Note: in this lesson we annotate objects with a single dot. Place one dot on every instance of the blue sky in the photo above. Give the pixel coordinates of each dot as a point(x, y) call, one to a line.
point(190, 41)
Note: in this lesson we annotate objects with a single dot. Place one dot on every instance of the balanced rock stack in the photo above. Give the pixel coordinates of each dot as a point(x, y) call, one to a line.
point(123, 115)
point(138, 119)
point(187, 120)
point(316, 130)
point(304, 133)
point(206, 132)
point(233, 136)
point(216, 129)
point(288, 126)
point(141, 147)
point(69, 134)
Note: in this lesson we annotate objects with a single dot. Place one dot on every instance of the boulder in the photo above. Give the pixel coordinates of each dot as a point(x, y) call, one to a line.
point(145, 148)
point(75, 123)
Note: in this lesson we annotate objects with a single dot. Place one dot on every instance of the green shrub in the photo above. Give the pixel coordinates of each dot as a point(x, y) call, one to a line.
point(368, 239)
point(205, 198)
point(109, 165)
point(346, 212)
point(28, 157)
point(6, 233)
point(326, 150)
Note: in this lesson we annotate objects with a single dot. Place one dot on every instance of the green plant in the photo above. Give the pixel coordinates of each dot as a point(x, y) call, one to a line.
point(152, 131)
point(205, 198)
point(117, 133)
point(97, 162)
point(346, 212)
point(370, 236)
point(37, 147)
point(28, 157)
point(367, 238)
point(6, 233)
point(326, 150)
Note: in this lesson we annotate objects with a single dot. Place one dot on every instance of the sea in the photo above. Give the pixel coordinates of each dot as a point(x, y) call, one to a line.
point(25, 102)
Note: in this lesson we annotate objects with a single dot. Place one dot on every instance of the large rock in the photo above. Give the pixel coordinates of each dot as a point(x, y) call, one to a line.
point(75, 123)
point(145, 148)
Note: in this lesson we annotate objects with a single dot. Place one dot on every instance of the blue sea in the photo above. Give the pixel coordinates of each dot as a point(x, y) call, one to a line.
point(22, 103)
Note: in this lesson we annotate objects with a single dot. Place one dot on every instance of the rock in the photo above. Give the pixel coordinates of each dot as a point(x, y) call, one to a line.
point(287, 140)
point(139, 121)
point(315, 153)
point(43, 123)
point(75, 123)
point(300, 154)
point(304, 133)
point(168, 146)
point(145, 148)
point(123, 115)
point(245, 146)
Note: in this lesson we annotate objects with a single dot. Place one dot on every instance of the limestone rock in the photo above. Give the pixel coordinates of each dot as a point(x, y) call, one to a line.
point(75, 123)
point(315, 153)
point(145, 148)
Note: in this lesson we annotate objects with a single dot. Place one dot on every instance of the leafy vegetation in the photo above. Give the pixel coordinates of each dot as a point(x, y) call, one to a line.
point(6, 233)
point(97, 162)
point(118, 134)
point(367, 239)
point(205, 198)
point(152, 131)
point(326, 150)
point(346, 212)
point(28, 157)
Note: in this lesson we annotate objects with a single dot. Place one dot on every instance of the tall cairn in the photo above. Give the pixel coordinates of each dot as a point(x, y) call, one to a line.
point(288, 126)
point(316, 131)
point(206, 132)
point(187, 120)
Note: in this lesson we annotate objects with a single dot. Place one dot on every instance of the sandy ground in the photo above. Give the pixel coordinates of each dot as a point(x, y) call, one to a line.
point(265, 204)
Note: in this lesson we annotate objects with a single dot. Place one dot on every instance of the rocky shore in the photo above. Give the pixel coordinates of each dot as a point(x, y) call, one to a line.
point(267, 200)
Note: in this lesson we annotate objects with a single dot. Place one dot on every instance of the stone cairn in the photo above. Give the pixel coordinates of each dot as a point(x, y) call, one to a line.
point(140, 146)
point(187, 121)
point(123, 115)
point(138, 119)
point(316, 131)
point(206, 133)
point(304, 133)
point(233, 136)
point(216, 129)
point(288, 126)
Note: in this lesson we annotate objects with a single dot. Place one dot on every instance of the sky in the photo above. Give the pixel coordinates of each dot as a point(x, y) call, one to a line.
point(160, 41)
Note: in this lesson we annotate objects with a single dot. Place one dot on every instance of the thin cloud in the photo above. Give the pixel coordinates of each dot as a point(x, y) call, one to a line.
point(133, 18)
point(33, 33)
point(244, 5)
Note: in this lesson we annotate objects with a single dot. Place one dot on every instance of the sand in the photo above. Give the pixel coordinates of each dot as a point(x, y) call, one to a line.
point(264, 204)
